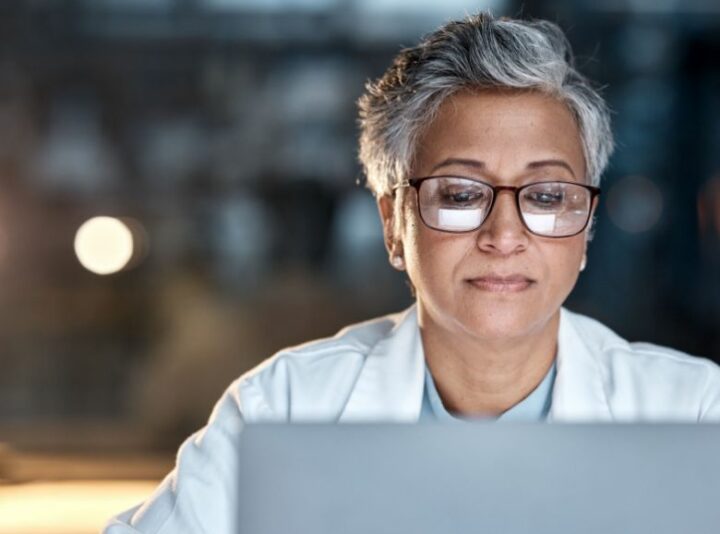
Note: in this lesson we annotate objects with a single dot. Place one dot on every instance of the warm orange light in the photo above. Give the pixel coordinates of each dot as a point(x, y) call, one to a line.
point(77, 507)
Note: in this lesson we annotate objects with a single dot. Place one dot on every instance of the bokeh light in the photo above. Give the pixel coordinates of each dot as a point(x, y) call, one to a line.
point(708, 204)
point(104, 245)
point(635, 204)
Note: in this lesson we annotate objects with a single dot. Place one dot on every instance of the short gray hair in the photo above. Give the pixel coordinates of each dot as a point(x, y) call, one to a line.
point(479, 52)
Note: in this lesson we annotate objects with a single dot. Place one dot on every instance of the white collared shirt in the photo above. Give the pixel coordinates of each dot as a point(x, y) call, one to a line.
point(374, 371)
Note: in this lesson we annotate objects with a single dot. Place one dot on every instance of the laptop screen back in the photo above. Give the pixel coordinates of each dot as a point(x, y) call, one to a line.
point(510, 479)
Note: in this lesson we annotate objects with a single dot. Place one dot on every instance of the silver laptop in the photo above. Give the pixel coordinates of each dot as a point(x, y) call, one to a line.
point(480, 478)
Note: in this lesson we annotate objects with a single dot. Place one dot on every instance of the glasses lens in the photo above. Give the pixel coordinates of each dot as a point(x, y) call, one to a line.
point(555, 209)
point(454, 204)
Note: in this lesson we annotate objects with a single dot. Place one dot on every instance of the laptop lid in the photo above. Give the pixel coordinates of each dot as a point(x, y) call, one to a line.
point(480, 477)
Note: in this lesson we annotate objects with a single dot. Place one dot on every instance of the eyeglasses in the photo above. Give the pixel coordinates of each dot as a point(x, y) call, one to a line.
point(457, 204)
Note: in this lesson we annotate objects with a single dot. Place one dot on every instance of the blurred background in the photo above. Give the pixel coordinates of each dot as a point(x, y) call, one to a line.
point(180, 198)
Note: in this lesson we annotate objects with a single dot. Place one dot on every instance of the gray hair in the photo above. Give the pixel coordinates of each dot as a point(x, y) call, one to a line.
point(478, 52)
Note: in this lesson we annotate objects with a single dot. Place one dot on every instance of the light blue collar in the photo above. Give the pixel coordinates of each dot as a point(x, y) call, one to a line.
point(534, 407)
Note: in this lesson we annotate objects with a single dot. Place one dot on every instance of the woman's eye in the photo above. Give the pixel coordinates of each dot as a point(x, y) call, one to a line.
point(546, 198)
point(462, 197)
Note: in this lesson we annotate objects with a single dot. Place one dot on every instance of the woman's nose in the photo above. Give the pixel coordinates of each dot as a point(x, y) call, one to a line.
point(503, 231)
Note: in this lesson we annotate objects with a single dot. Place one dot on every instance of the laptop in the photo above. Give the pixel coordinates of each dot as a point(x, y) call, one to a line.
point(480, 478)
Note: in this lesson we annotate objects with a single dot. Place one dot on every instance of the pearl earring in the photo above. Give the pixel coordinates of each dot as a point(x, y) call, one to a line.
point(583, 263)
point(397, 262)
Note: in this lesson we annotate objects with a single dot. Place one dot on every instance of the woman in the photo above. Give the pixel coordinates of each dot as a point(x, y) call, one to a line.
point(484, 148)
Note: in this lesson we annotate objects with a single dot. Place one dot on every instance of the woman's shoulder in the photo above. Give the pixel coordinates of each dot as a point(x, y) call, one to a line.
point(289, 384)
point(653, 376)
point(605, 342)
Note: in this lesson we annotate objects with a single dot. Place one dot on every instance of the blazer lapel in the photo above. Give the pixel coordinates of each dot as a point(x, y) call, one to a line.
point(579, 393)
point(390, 384)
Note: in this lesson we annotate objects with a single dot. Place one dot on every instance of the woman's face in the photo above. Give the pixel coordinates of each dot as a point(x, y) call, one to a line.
point(499, 282)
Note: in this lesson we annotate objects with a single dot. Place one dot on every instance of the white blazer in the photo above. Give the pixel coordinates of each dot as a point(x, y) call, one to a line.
point(375, 371)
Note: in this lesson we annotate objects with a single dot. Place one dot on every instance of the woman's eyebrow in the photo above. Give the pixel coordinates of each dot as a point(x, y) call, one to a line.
point(477, 164)
point(550, 163)
point(474, 163)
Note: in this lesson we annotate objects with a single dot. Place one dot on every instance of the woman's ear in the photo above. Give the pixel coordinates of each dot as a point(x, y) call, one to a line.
point(393, 243)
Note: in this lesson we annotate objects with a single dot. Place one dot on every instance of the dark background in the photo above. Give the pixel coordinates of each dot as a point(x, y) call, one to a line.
point(227, 130)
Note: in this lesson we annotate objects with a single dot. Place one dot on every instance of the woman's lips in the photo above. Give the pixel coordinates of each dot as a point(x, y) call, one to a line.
point(502, 284)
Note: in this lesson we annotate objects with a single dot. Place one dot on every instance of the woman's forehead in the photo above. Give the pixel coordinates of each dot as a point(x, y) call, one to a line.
point(493, 130)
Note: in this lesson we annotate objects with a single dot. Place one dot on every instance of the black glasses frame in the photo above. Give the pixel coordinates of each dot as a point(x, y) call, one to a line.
point(416, 183)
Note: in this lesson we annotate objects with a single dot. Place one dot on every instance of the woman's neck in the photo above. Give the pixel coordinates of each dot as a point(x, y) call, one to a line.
point(486, 377)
